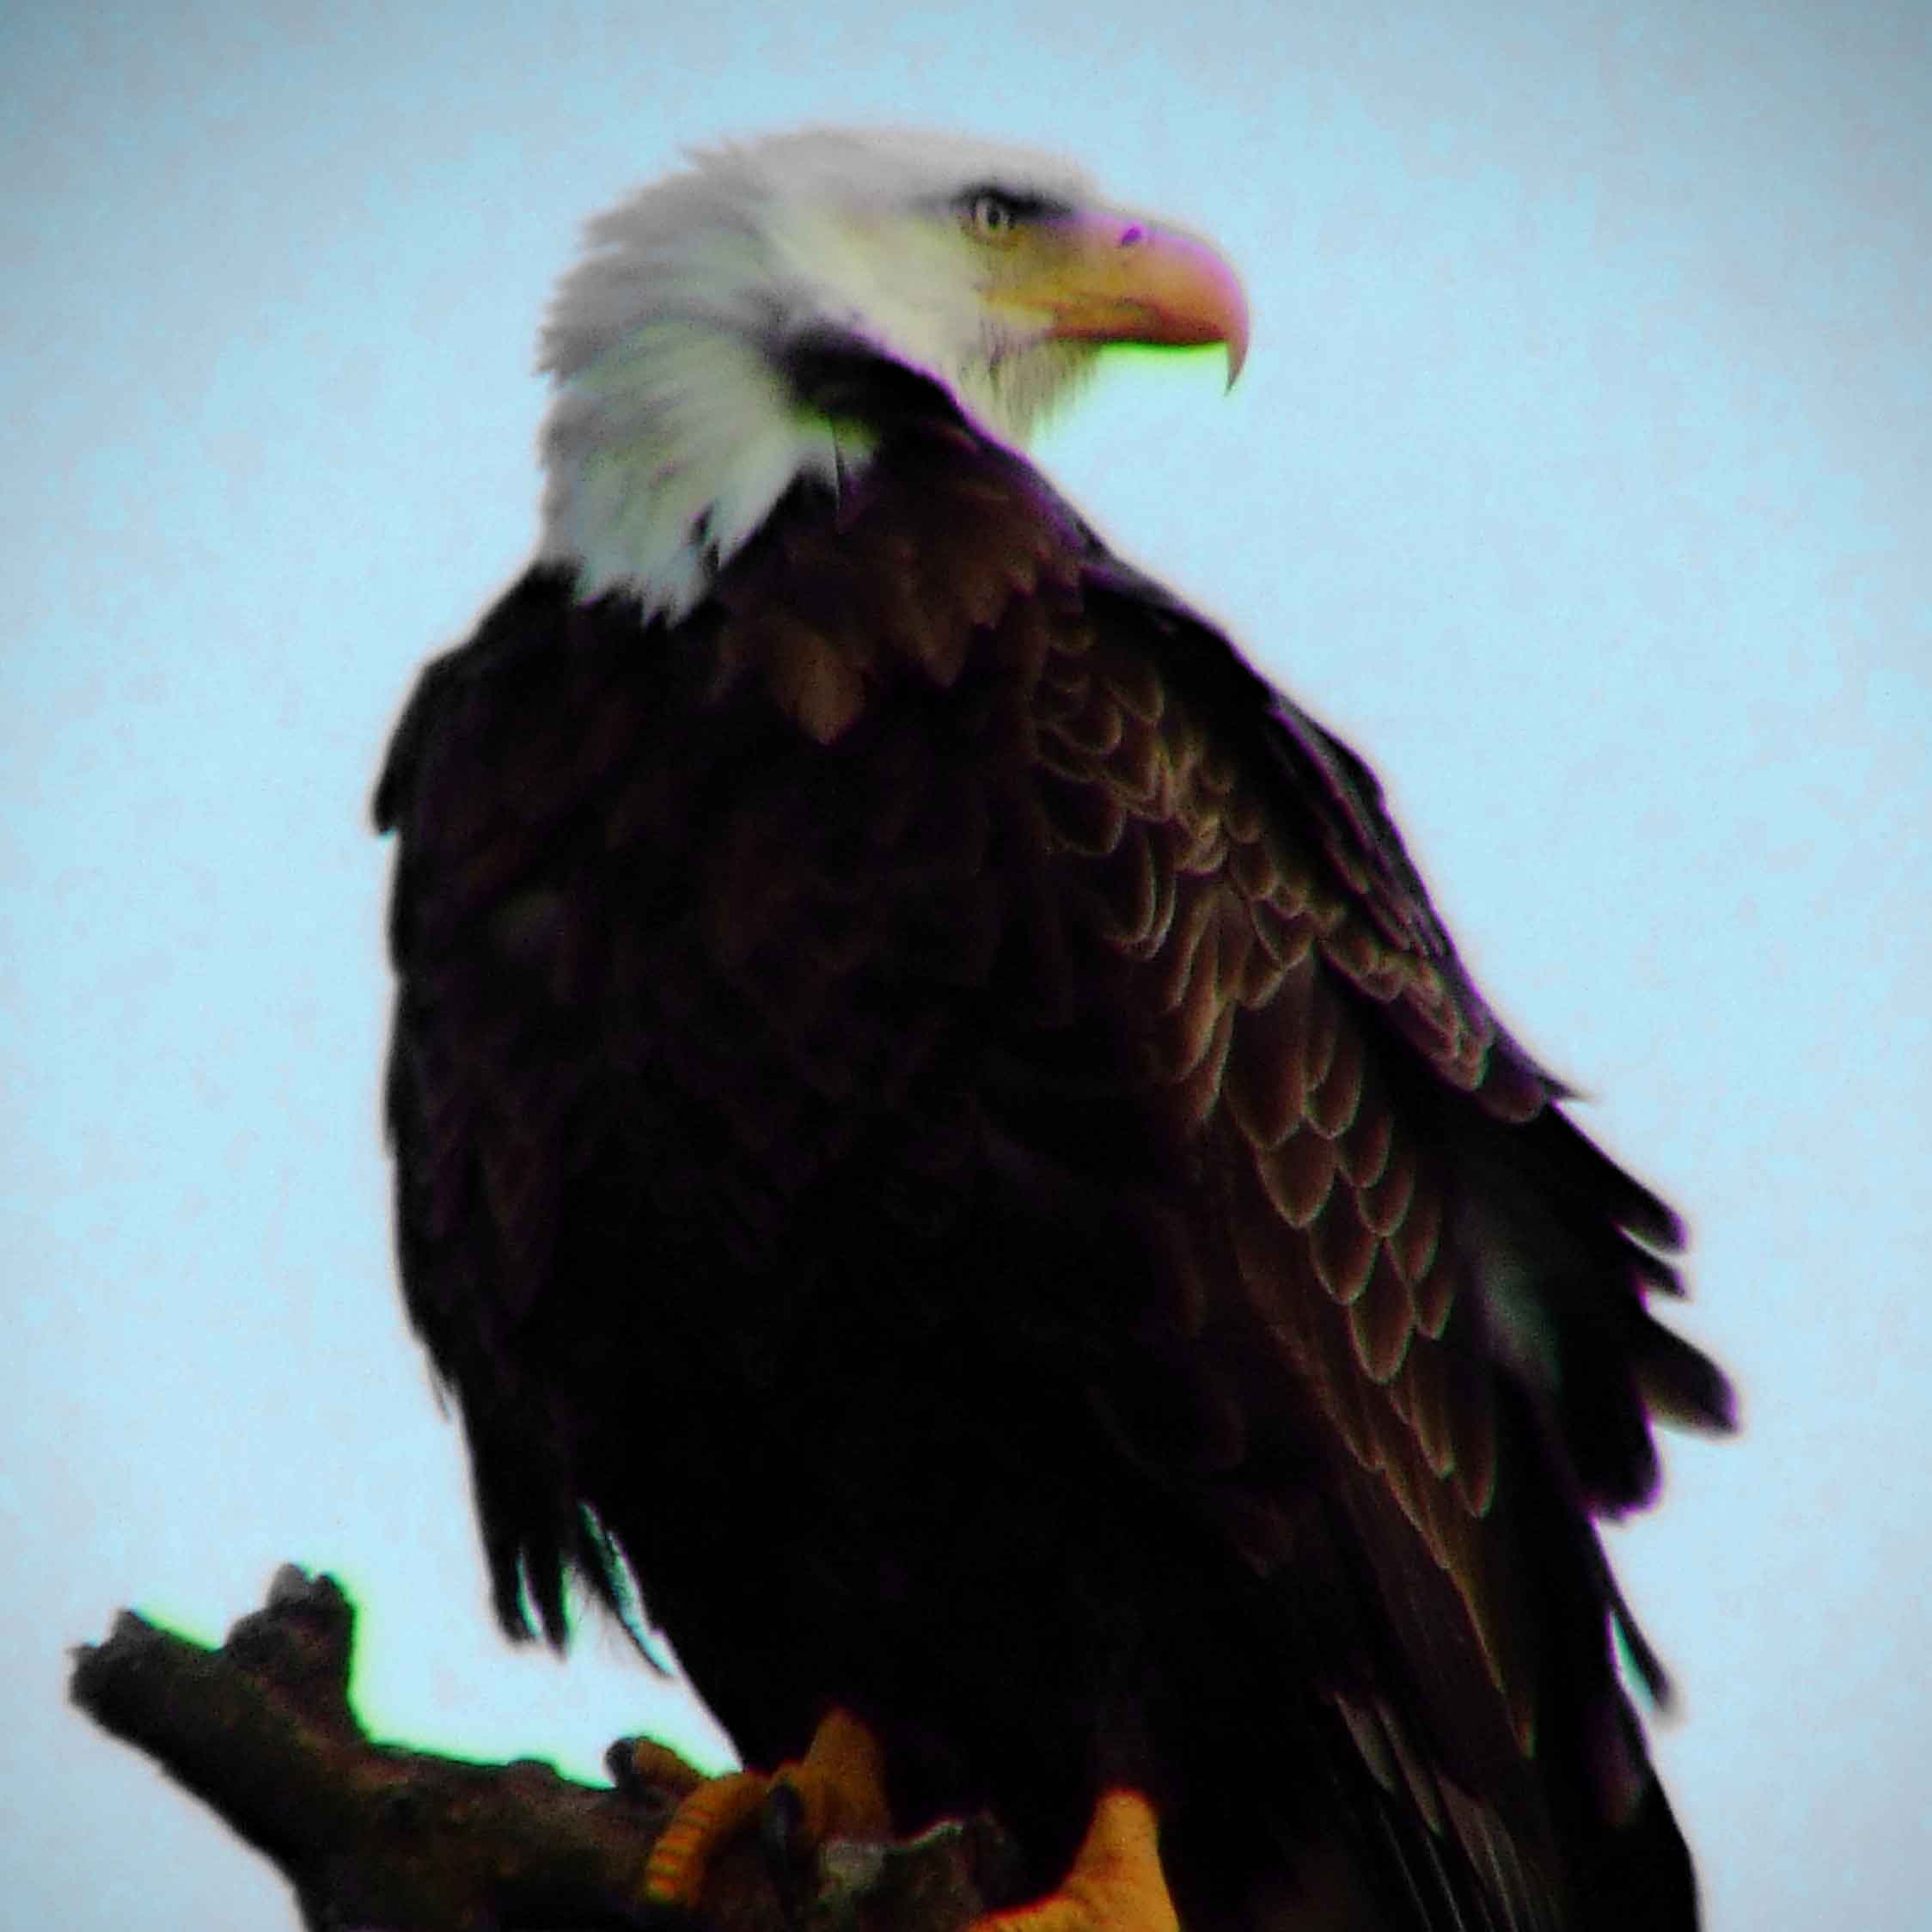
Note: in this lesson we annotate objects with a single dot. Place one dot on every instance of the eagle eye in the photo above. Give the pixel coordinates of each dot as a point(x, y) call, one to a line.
point(991, 215)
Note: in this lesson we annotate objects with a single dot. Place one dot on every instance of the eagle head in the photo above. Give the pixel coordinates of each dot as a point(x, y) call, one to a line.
point(679, 417)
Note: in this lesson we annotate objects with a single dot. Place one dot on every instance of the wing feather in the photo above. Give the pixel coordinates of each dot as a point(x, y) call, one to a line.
point(1450, 1273)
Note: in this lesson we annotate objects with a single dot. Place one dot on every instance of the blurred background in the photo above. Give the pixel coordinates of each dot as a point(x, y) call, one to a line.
point(1582, 476)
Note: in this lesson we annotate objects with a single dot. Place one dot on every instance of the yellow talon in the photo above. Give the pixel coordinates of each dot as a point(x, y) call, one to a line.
point(701, 1826)
point(837, 1784)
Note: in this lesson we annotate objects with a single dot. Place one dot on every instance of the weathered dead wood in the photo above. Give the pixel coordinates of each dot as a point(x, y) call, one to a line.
point(377, 1837)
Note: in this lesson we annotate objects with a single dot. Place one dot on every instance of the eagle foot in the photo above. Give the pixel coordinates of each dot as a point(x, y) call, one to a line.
point(835, 1791)
point(1115, 1884)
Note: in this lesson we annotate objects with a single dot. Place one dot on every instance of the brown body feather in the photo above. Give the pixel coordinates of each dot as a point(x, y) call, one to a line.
point(935, 1117)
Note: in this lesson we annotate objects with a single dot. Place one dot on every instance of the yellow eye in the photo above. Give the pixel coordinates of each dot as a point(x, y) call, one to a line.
point(992, 216)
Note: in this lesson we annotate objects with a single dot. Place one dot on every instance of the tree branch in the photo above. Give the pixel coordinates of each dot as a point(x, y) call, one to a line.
point(372, 1835)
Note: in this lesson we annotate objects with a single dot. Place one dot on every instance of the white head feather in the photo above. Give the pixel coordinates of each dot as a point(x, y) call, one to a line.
point(675, 429)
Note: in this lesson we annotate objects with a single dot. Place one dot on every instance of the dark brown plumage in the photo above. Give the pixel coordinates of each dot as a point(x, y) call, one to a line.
point(935, 1120)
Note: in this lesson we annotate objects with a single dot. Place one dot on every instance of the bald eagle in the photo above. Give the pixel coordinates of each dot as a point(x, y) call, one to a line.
point(939, 1138)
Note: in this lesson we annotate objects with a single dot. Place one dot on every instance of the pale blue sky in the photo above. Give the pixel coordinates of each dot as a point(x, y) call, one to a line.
point(1581, 474)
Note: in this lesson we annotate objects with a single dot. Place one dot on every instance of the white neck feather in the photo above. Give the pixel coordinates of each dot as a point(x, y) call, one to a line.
point(667, 453)
point(672, 434)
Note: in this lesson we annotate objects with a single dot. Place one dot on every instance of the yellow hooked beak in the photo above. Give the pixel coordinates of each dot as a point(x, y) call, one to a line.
point(1112, 277)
